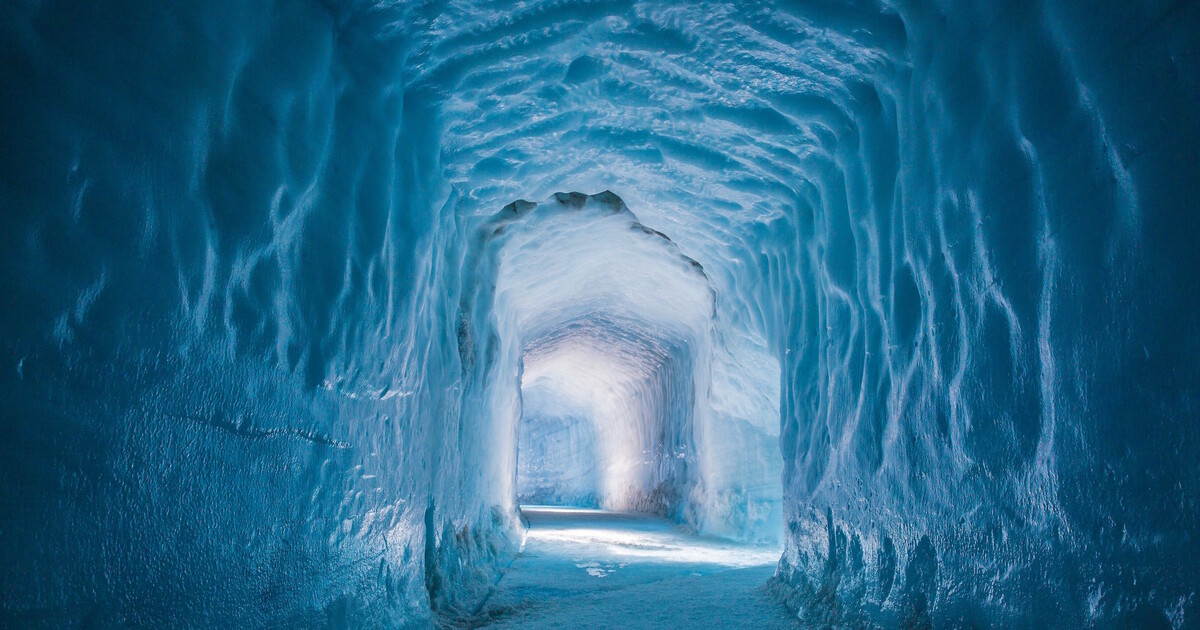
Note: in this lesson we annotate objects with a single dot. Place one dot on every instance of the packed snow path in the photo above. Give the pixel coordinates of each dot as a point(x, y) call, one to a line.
point(594, 569)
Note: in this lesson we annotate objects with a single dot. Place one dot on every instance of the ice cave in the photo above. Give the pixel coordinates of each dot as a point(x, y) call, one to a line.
point(600, 314)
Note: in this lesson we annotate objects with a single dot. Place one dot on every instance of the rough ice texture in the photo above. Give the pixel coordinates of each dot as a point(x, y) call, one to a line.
point(259, 366)
point(215, 226)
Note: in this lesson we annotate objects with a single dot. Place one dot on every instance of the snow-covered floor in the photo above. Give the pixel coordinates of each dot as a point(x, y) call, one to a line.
point(594, 569)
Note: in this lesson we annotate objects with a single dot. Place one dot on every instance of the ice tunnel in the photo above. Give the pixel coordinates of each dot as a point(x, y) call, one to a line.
point(304, 300)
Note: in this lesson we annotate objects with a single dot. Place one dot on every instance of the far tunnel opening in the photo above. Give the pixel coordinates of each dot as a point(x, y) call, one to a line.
point(557, 463)
point(607, 417)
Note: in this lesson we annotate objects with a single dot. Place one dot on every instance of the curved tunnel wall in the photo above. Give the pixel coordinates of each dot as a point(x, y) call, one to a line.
point(964, 234)
point(216, 319)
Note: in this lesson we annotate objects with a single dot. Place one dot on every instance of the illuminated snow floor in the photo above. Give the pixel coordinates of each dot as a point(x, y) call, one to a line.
point(594, 569)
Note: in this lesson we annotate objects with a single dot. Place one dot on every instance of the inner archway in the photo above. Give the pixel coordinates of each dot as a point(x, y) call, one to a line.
point(626, 395)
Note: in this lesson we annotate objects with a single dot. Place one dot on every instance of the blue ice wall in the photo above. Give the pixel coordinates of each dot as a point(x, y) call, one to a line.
point(989, 413)
point(215, 224)
point(260, 364)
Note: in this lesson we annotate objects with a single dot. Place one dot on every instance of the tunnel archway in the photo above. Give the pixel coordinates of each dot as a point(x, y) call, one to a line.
point(600, 319)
